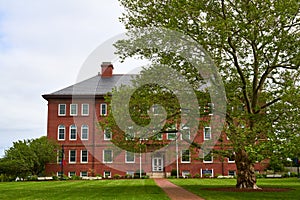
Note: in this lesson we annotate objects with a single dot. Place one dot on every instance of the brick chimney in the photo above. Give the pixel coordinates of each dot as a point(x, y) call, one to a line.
point(106, 69)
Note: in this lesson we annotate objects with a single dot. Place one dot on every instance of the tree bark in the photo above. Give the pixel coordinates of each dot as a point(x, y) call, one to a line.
point(245, 171)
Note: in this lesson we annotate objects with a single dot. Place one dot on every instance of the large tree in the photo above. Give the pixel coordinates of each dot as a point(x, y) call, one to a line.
point(28, 157)
point(255, 46)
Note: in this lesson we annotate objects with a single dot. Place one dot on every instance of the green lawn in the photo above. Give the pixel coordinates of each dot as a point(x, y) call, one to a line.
point(104, 189)
point(196, 186)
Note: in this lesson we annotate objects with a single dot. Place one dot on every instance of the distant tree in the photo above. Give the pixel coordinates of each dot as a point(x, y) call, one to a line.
point(255, 46)
point(28, 157)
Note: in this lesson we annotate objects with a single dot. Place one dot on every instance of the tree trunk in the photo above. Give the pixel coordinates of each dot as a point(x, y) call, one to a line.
point(245, 171)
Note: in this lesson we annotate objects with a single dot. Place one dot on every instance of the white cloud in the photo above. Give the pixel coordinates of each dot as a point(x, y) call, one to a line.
point(42, 47)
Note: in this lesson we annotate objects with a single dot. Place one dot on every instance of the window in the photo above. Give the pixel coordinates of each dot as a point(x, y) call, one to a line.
point(107, 174)
point(129, 133)
point(185, 133)
point(209, 108)
point(61, 132)
point(129, 157)
point(85, 109)
point(207, 133)
point(84, 156)
point(103, 109)
point(59, 174)
point(72, 156)
point(84, 174)
point(185, 174)
point(207, 172)
point(208, 158)
point(84, 132)
point(61, 109)
point(60, 160)
point(73, 109)
point(73, 132)
point(130, 173)
point(107, 156)
point(107, 134)
point(185, 156)
point(171, 136)
point(72, 174)
point(231, 173)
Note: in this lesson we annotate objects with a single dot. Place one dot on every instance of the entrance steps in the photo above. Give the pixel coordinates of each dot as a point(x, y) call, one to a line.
point(156, 174)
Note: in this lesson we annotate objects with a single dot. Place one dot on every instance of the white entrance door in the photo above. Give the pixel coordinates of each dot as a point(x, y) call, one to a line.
point(157, 164)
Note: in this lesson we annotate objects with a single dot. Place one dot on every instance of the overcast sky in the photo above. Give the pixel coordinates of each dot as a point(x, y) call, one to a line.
point(43, 44)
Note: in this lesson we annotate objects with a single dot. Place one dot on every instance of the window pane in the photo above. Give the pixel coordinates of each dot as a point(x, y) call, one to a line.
point(84, 132)
point(185, 155)
point(62, 109)
point(103, 109)
point(72, 155)
point(84, 156)
point(85, 109)
point(107, 134)
point(61, 132)
point(73, 132)
point(107, 156)
point(207, 133)
point(129, 157)
point(171, 136)
point(73, 109)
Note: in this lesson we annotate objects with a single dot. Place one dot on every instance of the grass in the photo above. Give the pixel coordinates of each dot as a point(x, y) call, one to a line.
point(145, 189)
point(196, 186)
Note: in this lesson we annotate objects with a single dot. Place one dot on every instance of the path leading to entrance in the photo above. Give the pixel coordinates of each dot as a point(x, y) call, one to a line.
point(175, 192)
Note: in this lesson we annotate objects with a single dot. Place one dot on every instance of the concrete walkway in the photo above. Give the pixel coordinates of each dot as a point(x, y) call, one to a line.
point(175, 192)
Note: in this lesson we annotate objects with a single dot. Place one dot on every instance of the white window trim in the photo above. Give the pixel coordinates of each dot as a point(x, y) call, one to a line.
point(82, 172)
point(109, 174)
point(59, 110)
point(71, 162)
point(69, 174)
point(230, 161)
point(212, 172)
point(82, 132)
point(112, 154)
point(76, 105)
point(104, 135)
point(88, 109)
point(58, 132)
point(70, 133)
point(105, 114)
point(181, 155)
point(209, 133)
point(126, 161)
point(212, 159)
point(87, 156)
point(171, 134)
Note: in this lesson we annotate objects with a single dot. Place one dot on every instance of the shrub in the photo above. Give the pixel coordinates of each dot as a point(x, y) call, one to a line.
point(75, 177)
point(197, 176)
point(117, 176)
point(173, 172)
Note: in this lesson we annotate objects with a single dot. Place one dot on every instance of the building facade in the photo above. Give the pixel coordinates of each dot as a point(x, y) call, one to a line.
point(87, 150)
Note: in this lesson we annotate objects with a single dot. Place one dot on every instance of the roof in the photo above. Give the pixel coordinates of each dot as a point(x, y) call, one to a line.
point(95, 86)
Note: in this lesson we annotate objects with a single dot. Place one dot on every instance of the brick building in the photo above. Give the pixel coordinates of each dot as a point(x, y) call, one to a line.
point(86, 149)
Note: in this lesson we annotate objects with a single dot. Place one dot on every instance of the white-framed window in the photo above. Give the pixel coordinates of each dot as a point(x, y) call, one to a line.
point(129, 157)
point(73, 109)
point(207, 133)
point(107, 156)
point(72, 156)
point(72, 174)
point(107, 174)
point(85, 109)
point(185, 133)
point(61, 132)
point(84, 132)
point(231, 173)
point(59, 174)
point(185, 156)
point(185, 173)
point(129, 135)
point(209, 108)
point(103, 109)
point(107, 134)
point(62, 109)
point(60, 159)
point(83, 174)
point(207, 172)
point(84, 156)
point(130, 173)
point(73, 132)
point(171, 136)
point(208, 158)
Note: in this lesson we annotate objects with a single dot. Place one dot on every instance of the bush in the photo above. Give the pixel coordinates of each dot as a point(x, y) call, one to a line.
point(55, 178)
point(117, 176)
point(128, 176)
point(197, 176)
point(32, 178)
point(75, 177)
point(173, 172)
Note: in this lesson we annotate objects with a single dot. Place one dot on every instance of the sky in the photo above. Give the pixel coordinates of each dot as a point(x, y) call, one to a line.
point(43, 45)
